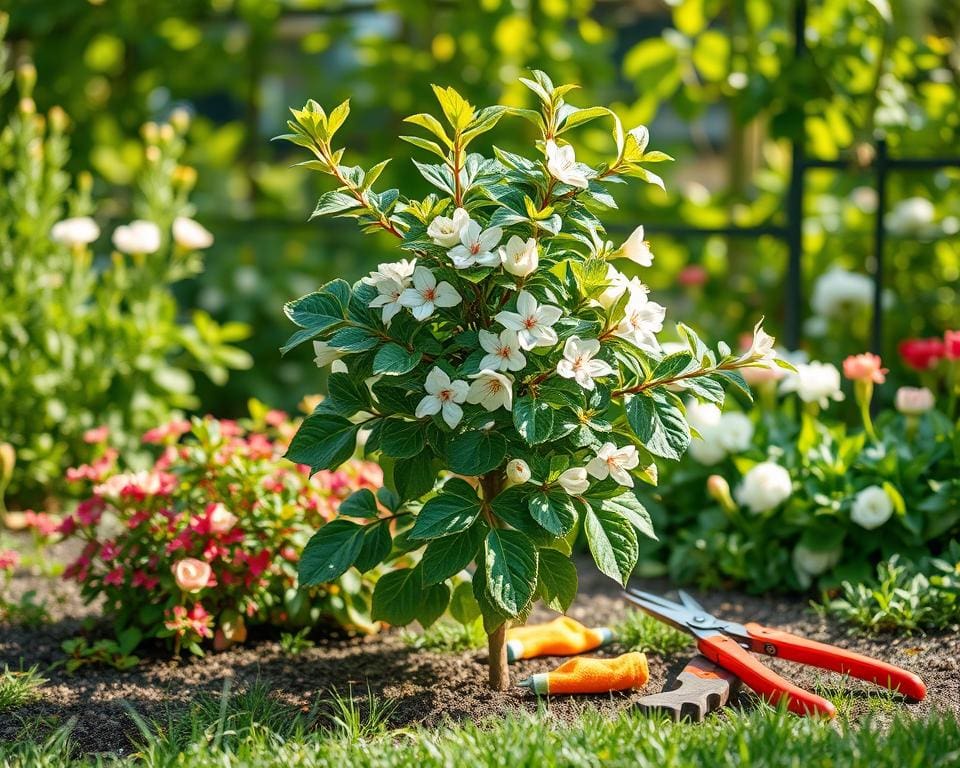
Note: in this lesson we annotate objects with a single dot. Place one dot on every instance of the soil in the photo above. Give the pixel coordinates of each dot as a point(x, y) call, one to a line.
point(429, 688)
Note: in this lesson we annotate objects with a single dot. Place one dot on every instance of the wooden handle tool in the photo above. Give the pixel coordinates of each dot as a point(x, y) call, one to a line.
point(700, 688)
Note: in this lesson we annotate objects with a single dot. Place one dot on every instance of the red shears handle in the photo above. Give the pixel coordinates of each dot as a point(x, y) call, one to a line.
point(776, 642)
point(727, 653)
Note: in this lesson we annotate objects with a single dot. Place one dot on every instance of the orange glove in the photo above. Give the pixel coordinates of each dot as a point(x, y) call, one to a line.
point(592, 675)
point(561, 637)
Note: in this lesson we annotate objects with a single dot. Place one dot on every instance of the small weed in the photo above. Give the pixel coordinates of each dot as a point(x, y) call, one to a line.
point(448, 637)
point(640, 632)
point(26, 611)
point(353, 721)
point(108, 652)
point(293, 644)
point(19, 687)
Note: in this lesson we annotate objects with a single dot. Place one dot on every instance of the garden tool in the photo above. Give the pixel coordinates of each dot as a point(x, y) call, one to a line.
point(700, 688)
point(561, 637)
point(728, 644)
point(587, 674)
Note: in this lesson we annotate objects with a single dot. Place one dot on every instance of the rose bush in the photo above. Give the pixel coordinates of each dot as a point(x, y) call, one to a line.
point(208, 539)
point(508, 348)
point(810, 500)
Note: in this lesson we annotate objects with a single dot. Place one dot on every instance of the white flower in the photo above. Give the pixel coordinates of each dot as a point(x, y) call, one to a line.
point(398, 271)
point(426, 295)
point(520, 257)
point(477, 247)
point(518, 471)
point(636, 249)
point(190, 234)
point(911, 215)
point(765, 486)
point(503, 351)
point(388, 297)
point(80, 230)
point(578, 362)
point(492, 390)
point(325, 354)
point(615, 462)
point(532, 322)
point(864, 198)
point(642, 319)
point(838, 292)
point(705, 418)
point(137, 237)
point(446, 231)
point(761, 353)
point(808, 562)
point(618, 285)
point(443, 397)
point(735, 432)
point(814, 383)
point(708, 450)
point(562, 164)
point(872, 507)
point(574, 481)
point(912, 401)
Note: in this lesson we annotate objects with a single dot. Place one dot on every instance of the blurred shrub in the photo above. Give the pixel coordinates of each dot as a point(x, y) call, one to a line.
point(88, 339)
point(208, 539)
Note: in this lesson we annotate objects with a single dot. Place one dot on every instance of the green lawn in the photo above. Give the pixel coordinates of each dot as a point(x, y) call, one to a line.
point(253, 729)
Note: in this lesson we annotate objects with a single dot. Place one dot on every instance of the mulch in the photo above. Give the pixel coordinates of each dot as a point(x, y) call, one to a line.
point(429, 688)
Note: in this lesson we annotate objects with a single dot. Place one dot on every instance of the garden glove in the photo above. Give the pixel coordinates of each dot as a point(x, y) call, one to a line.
point(592, 675)
point(561, 637)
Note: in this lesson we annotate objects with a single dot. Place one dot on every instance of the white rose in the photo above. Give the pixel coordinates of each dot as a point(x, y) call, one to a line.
point(910, 216)
point(814, 383)
point(809, 562)
point(191, 235)
point(765, 487)
point(912, 401)
point(138, 236)
point(703, 417)
point(708, 451)
point(735, 431)
point(80, 230)
point(872, 507)
point(838, 292)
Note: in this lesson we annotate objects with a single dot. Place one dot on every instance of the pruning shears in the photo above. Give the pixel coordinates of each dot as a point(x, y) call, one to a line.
point(728, 644)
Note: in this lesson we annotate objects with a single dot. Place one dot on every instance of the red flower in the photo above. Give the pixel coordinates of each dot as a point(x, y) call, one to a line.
point(951, 345)
point(9, 559)
point(115, 577)
point(922, 354)
point(693, 275)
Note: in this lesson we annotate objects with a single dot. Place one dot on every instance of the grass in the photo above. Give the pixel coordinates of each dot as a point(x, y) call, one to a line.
point(448, 637)
point(251, 728)
point(19, 687)
point(640, 632)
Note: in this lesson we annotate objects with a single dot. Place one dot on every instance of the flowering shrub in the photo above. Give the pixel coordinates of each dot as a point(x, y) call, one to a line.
point(89, 337)
point(208, 539)
point(507, 350)
point(807, 499)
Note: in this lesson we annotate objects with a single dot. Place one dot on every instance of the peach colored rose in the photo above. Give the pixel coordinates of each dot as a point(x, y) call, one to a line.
point(865, 367)
point(221, 519)
point(191, 574)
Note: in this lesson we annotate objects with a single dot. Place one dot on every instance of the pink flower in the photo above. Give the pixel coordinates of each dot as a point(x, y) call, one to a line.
point(115, 577)
point(44, 524)
point(96, 435)
point(922, 354)
point(221, 519)
point(275, 418)
point(912, 401)
point(141, 579)
point(865, 367)
point(9, 559)
point(191, 575)
point(169, 432)
point(89, 512)
point(109, 551)
point(951, 345)
point(693, 275)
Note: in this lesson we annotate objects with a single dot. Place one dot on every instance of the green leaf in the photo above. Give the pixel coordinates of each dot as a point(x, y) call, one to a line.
point(557, 580)
point(396, 597)
point(533, 419)
point(394, 360)
point(511, 568)
point(453, 510)
point(628, 506)
point(448, 556)
point(330, 552)
point(434, 600)
point(334, 203)
point(659, 424)
point(612, 542)
point(346, 396)
point(360, 503)
point(430, 146)
point(414, 477)
point(493, 616)
point(553, 510)
point(401, 439)
point(316, 311)
point(477, 452)
point(376, 546)
point(324, 441)
point(672, 365)
point(353, 339)
point(463, 605)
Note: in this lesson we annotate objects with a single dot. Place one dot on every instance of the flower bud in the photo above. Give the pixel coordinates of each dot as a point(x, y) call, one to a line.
point(719, 490)
point(185, 177)
point(27, 106)
point(150, 132)
point(26, 78)
point(518, 471)
point(913, 401)
point(180, 120)
point(167, 134)
point(8, 459)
